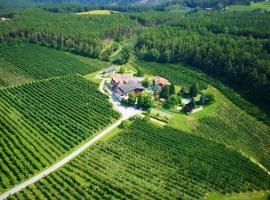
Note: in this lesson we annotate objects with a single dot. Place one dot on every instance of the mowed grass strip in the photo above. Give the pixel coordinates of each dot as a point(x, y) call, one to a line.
point(41, 122)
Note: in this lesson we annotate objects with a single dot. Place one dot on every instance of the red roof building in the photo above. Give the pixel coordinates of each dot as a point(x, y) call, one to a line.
point(161, 82)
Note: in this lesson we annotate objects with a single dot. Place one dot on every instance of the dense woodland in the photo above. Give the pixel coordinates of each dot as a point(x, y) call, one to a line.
point(84, 34)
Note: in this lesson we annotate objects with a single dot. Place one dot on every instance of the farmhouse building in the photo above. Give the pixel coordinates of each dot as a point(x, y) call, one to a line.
point(131, 86)
point(161, 82)
point(123, 85)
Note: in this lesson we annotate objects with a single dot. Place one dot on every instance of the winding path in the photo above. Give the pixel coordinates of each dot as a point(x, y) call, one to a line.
point(126, 113)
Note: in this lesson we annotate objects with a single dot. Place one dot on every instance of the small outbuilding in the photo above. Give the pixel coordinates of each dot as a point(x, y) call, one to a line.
point(108, 70)
point(161, 82)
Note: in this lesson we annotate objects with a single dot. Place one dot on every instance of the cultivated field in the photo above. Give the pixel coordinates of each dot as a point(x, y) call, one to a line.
point(21, 63)
point(252, 6)
point(147, 162)
point(96, 12)
point(42, 121)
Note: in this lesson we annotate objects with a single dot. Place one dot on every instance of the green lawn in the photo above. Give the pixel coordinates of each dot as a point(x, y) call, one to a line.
point(161, 113)
point(261, 5)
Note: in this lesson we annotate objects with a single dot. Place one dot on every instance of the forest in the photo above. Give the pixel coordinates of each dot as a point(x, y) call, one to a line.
point(84, 38)
point(218, 44)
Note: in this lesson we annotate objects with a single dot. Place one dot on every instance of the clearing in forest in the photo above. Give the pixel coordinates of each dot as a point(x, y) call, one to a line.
point(97, 12)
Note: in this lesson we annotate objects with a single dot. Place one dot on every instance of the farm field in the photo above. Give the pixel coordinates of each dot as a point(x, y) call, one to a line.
point(256, 195)
point(21, 63)
point(146, 162)
point(42, 121)
point(241, 132)
point(96, 12)
point(252, 6)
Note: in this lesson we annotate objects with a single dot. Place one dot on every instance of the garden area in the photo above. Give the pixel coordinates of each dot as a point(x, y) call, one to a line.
point(169, 97)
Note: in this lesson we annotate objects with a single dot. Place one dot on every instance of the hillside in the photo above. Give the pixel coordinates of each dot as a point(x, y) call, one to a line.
point(42, 121)
point(22, 63)
point(162, 4)
point(145, 162)
point(240, 132)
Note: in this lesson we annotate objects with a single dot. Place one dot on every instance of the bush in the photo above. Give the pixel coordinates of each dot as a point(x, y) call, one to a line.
point(122, 57)
point(146, 119)
point(124, 124)
point(171, 102)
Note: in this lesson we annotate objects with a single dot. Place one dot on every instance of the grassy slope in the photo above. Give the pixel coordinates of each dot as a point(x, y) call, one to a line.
point(42, 121)
point(223, 122)
point(148, 162)
point(253, 6)
point(258, 195)
point(21, 63)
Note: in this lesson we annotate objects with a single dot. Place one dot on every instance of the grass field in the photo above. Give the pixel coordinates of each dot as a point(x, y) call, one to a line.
point(42, 121)
point(21, 63)
point(252, 6)
point(256, 195)
point(97, 12)
point(222, 122)
point(161, 113)
point(148, 162)
point(188, 123)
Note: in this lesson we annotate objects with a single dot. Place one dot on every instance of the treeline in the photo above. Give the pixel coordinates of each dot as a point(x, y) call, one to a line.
point(237, 23)
point(213, 3)
point(156, 18)
point(79, 34)
point(199, 3)
point(245, 62)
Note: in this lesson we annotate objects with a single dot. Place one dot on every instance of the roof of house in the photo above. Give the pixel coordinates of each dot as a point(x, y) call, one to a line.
point(129, 87)
point(161, 81)
point(109, 69)
point(125, 79)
